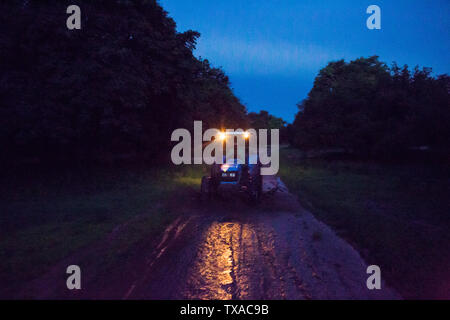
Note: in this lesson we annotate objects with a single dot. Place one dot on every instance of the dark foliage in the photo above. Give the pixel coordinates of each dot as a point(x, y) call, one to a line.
point(120, 85)
point(264, 120)
point(369, 109)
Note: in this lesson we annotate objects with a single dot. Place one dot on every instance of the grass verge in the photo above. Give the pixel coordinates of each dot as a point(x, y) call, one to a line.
point(46, 215)
point(396, 216)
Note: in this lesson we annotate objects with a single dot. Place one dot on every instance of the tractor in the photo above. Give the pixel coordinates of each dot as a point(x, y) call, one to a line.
point(244, 177)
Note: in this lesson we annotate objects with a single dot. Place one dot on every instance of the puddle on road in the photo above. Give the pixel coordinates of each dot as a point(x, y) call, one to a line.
point(213, 275)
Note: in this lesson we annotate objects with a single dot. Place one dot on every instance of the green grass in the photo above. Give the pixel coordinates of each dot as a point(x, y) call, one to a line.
point(47, 216)
point(397, 216)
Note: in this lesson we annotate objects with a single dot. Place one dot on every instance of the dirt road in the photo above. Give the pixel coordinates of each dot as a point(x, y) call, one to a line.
point(228, 249)
point(234, 251)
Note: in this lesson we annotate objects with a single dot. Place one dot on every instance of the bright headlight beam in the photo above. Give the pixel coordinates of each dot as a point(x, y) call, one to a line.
point(222, 136)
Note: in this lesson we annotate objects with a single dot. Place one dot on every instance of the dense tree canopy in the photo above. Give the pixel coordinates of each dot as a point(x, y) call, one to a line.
point(366, 107)
point(264, 120)
point(121, 84)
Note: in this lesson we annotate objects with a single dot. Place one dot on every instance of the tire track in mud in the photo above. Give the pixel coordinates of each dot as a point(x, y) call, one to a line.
point(229, 249)
point(267, 252)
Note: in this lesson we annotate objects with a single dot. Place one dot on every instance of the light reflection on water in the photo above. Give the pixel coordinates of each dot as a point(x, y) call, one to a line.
point(213, 275)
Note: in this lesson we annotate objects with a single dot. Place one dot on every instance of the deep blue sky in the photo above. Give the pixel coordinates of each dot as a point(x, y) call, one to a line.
point(273, 49)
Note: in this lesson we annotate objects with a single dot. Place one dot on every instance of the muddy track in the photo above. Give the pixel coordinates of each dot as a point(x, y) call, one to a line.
point(277, 250)
point(230, 249)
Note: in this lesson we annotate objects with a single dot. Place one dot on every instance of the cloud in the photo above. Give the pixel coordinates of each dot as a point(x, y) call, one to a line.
point(239, 56)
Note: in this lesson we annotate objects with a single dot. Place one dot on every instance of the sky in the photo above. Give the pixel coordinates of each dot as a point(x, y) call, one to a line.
point(273, 49)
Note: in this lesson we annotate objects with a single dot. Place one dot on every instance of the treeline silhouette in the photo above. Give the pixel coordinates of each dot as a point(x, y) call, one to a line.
point(118, 86)
point(264, 120)
point(369, 109)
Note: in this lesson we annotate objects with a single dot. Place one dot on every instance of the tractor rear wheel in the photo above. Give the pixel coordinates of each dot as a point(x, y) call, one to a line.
point(205, 189)
point(255, 188)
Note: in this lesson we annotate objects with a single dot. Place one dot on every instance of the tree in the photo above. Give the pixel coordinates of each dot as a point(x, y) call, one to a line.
point(115, 86)
point(264, 120)
point(368, 108)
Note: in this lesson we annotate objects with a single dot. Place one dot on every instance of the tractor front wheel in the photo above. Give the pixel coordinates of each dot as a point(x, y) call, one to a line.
point(206, 188)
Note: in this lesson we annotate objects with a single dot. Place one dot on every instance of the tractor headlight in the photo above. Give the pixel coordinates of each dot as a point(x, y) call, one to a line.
point(222, 136)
